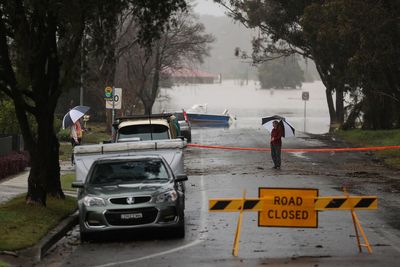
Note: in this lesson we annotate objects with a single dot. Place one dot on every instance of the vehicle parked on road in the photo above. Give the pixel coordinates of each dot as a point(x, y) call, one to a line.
point(146, 127)
point(131, 192)
point(171, 150)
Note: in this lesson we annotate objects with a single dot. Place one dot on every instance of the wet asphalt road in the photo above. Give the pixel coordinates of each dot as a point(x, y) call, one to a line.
point(221, 173)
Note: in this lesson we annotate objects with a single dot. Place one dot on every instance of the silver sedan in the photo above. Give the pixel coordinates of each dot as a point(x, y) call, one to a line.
point(131, 192)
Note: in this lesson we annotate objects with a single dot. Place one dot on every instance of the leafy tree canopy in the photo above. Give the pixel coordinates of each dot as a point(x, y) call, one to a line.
point(281, 73)
point(40, 42)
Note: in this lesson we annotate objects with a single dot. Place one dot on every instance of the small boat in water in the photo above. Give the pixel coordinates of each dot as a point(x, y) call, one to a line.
point(198, 115)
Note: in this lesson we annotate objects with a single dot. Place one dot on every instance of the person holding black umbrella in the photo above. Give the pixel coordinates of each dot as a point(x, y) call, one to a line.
point(276, 144)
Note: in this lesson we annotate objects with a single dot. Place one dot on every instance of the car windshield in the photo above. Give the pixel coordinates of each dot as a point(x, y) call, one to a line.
point(144, 132)
point(129, 172)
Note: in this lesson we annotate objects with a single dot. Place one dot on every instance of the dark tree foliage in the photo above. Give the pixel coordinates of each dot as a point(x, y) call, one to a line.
point(355, 45)
point(39, 46)
point(281, 73)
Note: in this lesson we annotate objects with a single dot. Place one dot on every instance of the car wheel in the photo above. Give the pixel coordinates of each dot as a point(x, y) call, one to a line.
point(179, 232)
point(189, 137)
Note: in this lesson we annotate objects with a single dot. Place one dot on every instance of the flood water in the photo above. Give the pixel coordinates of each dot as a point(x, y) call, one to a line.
point(248, 103)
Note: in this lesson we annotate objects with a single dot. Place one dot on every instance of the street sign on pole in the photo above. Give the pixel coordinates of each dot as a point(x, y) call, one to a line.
point(117, 100)
point(108, 93)
point(305, 96)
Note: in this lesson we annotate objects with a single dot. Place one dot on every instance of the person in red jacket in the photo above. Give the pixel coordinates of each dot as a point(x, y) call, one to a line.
point(276, 144)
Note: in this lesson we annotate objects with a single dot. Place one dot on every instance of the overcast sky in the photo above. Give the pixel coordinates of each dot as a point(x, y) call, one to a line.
point(208, 7)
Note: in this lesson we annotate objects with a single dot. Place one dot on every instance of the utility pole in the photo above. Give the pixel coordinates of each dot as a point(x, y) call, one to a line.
point(82, 66)
point(113, 111)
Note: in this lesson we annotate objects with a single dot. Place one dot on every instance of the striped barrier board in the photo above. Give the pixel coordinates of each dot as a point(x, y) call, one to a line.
point(235, 204)
point(346, 203)
point(321, 203)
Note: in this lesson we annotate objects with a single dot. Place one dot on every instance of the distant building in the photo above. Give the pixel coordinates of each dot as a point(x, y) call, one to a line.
point(185, 75)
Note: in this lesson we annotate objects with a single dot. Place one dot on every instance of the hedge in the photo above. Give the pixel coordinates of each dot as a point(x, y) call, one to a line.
point(13, 163)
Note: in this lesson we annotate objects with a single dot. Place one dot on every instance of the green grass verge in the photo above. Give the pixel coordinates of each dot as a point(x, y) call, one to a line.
point(66, 181)
point(4, 264)
point(369, 138)
point(65, 151)
point(23, 225)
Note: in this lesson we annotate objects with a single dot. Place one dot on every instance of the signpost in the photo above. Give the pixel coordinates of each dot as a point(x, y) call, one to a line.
point(113, 97)
point(108, 92)
point(117, 100)
point(305, 96)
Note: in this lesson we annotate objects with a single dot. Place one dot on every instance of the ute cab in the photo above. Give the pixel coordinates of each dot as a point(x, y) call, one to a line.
point(144, 128)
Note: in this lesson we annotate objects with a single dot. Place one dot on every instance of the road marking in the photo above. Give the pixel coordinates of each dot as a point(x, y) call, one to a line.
point(193, 243)
point(204, 210)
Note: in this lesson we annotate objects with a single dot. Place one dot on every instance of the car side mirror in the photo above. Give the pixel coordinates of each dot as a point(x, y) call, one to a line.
point(77, 185)
point(181, 178)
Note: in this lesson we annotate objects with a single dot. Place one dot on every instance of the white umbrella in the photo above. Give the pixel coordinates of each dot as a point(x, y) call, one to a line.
point(288, 130)
point(73, 115)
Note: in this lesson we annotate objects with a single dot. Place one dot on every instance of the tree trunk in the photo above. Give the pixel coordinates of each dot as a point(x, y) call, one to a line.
point(331, 107)
point(149, 101)
point(36, 181)
point(339, 106)
point(148, 107)
point(328, 92)
point(350, 122)
point(53, 180)
point(44, 176)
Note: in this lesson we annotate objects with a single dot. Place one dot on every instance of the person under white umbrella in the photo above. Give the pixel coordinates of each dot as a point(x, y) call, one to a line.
point(279, 128)
point(73, 115)
point(71, 119)
point(288, 129)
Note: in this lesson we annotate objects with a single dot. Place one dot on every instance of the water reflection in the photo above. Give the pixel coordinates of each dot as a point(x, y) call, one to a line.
point(248, 103)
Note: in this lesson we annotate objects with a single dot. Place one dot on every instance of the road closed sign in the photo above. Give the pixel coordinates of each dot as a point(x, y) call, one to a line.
point(288, 207)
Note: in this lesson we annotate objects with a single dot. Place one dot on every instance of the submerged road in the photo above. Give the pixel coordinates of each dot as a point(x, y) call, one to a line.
point(219, 174)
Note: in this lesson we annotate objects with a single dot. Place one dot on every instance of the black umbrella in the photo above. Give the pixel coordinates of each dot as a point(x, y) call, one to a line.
point(288, 129)
point(73, 115)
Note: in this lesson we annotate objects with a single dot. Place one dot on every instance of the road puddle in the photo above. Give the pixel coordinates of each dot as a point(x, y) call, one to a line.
point(299, 155)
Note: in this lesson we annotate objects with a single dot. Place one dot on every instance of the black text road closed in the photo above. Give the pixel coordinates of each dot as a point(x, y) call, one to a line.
point(290, 207)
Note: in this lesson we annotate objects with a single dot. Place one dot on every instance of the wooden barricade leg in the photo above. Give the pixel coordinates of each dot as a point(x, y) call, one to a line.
point(357, 222)
point(358, 229)
point(235, 249)
point(353, 214)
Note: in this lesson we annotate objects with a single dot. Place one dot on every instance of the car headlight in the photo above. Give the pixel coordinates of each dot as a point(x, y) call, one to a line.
point(169, 196)
point(90, 201)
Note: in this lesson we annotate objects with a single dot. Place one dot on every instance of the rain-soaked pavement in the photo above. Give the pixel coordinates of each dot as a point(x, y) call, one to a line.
point(225, 173)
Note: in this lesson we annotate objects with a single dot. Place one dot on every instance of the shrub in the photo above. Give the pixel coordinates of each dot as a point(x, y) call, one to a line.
point(8, 119)
point(13, 163)
point(63, 135)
